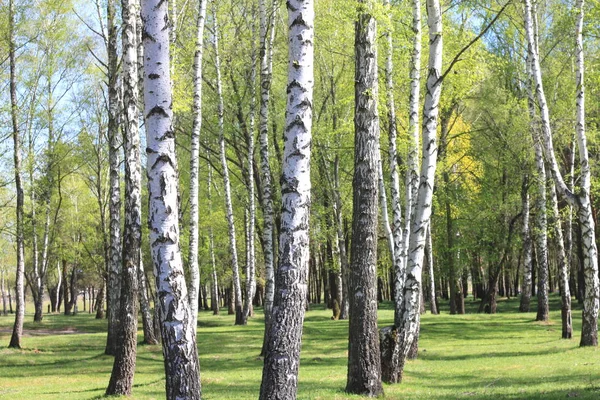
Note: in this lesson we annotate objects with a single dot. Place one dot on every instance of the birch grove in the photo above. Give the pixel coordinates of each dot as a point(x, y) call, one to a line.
point(581, 200)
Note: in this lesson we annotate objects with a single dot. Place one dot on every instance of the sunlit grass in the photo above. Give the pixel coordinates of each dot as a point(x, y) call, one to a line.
point(474, 356)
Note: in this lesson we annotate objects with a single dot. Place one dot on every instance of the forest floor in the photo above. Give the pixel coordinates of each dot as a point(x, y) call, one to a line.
point(474, 356)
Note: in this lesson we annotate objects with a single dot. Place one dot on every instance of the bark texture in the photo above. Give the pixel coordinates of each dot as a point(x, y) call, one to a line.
point(121, 378)
point(182, 369)
point(364, 365)
point(280, 372)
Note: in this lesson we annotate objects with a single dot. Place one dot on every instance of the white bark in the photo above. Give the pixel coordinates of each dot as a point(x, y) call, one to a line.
point(226, 182)
point(412, 163)
point(589, 331)
point(280, 372)
point(182, 368)
point(399, 252)
point(250, 261)
point(194, 285)
point(423, 204)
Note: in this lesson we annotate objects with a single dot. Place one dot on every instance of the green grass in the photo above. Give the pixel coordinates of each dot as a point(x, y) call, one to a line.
point(473, 356)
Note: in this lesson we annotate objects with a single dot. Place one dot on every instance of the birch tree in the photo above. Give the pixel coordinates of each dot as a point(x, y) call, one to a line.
point(280, 371)
point(121, 379)
point(423, 201)
point(195, 165)
point(266, 37)
point(182, 369)
point(114, 266)
point(364, 369)
point(15, 339)
point(563, 266)
point(237, 289)
point(412, 175)
point(581, 200)
point(527, 249)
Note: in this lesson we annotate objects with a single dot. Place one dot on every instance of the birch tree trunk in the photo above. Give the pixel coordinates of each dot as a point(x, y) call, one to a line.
point(341, 240)
point(364, 365)
point(15, 340)
point(280, 372)
point(541, 236)
point(228, 202)
point(527, 250)
point(563, 267)
point(266, 66)
point(591, 303)
point(214, 298)
point(147, 321)
point(194, 285)
point(121, 379)
point(397, 255)
point(182, 369)
point(423, 203)
point(248, 310)
point(113, 285)
point(412, 175)
point(429, 255)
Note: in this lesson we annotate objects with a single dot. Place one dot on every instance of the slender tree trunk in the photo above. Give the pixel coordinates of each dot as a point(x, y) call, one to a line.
point(591, 303)
point(341, 240)
point(3, 288)
point(182, 369)
point(364, 366)
point(121, 379)
point(147, 321)
point(541, 237)
point(398, 243)
point(113, 282)
point(228, 201)
point(266, 66)
point(15, 340)
point(527, 250)
point(195, 165)
point(429, 254)
point(423, 203)
point(563, 269)
point(214, 300)
point(280, 372)
point(248, 310)
point(383, 205)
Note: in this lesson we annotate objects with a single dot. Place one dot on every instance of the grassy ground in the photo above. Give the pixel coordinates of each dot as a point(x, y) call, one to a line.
point(474, 356)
